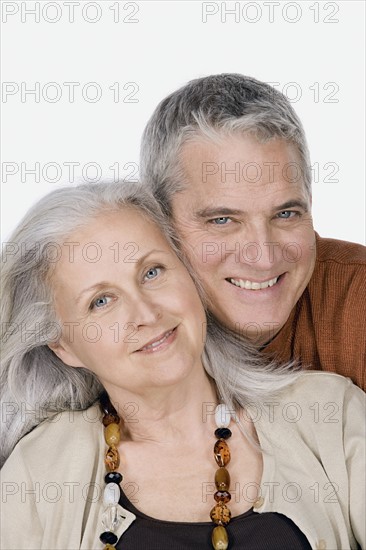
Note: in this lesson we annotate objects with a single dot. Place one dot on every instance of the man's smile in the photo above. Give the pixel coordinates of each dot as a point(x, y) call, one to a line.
point(253, 285)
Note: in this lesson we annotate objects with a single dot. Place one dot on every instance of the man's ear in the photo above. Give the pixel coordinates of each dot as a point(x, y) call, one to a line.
point(64, 353)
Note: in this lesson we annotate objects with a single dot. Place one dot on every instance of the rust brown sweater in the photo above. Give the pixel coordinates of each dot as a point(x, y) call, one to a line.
point(326, 329)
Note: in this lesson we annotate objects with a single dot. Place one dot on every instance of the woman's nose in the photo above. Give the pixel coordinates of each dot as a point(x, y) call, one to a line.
point(145, 311)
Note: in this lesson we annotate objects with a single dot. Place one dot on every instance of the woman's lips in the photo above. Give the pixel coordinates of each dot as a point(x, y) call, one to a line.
point(160, 342)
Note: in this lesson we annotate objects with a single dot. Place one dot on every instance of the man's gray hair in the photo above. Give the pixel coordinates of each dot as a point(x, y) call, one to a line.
point(211, 107)
point(35, 384)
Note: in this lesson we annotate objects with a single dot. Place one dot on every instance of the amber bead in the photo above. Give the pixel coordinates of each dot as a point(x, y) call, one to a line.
point(110, 419)
point(112, 434)
point(222, 496)
point(222, 452)
point(220, 514)
point(112, 459)
point(222, 479)
point(109, 547)
point(220, 540)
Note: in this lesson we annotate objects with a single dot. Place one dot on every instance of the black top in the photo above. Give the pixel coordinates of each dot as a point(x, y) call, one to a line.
point(249, 531)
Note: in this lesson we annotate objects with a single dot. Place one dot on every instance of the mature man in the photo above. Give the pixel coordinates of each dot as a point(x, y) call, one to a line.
point(227, 158)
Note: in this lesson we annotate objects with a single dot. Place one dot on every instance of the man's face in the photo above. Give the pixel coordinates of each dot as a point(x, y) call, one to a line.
point(245, 224)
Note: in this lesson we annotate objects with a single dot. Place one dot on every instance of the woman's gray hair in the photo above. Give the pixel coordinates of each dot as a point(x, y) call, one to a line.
point(35, 383)
point(211, 108)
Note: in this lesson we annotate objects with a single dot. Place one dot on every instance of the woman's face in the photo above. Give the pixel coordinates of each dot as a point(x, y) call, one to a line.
point(129, 310)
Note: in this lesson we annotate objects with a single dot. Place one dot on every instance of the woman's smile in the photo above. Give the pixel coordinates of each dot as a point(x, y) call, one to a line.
point(160, 342)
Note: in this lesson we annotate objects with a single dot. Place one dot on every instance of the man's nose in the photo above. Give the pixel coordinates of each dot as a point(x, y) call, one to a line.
point(257, 245)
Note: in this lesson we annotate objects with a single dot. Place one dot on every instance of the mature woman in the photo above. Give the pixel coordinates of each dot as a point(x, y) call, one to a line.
point(99, 313)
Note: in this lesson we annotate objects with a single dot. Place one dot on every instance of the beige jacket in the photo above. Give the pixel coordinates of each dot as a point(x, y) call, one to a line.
point(313, 439)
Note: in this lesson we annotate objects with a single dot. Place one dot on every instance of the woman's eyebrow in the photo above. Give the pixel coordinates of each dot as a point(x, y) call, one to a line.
point(97, 286)
point(102, 284)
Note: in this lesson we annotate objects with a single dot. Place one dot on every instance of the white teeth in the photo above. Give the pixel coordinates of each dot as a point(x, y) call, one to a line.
point(249, 285)
point(158, 342)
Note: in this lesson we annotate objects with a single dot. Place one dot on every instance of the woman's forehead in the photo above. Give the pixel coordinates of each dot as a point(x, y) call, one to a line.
point(124, 237)
point(121, 224)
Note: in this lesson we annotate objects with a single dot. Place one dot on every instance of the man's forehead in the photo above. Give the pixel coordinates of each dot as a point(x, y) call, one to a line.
point(214, 190)
point(226, 168)
point(211, 200)
point(237, 145)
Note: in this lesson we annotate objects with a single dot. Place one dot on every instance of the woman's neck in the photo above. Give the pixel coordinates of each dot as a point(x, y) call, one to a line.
point(168, 414)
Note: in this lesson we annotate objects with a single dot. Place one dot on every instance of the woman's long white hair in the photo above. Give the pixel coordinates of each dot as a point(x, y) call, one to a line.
point(35, 383)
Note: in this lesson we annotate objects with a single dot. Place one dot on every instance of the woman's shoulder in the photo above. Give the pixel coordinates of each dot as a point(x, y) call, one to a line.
point(319, 385)
point(315, 402)
point(65, 423)
point(58, 438)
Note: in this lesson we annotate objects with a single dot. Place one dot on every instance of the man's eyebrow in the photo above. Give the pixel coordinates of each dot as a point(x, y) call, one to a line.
point(217, 211)
point(298, 203)
point(104, 284)
point(220, 211)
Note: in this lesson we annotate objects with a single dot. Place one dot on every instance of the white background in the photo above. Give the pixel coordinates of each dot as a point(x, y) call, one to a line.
point(313, 50)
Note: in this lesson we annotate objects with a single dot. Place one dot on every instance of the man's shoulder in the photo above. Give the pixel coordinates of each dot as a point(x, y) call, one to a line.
point(340, 252)
point(340, 266)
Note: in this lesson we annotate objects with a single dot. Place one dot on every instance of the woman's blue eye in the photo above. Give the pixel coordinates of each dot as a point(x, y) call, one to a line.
point(100, 302)
point(152, 272)
point(220, 221)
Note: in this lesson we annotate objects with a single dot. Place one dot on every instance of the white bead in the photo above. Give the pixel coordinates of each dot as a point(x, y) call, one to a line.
point(222, 416)
point(110, 518)
point(111, 494)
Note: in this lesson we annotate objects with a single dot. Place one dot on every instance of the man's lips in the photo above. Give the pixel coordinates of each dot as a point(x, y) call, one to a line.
point(159, 341)
point(248, 284)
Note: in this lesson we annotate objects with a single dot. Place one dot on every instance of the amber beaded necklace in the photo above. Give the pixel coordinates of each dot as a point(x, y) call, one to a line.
point(111, 495)
point(220, 513)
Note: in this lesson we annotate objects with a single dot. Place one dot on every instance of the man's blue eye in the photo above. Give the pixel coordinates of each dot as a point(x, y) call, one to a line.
point(220, 221)
point(286, 214)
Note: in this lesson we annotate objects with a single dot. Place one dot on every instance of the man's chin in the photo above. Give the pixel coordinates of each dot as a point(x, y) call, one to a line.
point(259, 332)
